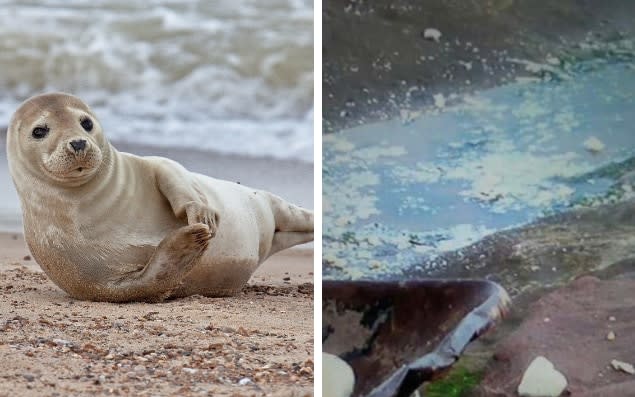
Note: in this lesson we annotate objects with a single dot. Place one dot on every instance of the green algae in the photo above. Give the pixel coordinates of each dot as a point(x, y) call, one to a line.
point(459, 383)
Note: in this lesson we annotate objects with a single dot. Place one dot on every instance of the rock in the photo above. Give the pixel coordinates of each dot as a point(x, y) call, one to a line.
point(338, 379)
point(593, 145)
point(63, 342)
point(610, 335)
point(622, 366)
point(541, 379)
point(432, 34)
point(243, 332)
point(244, 381)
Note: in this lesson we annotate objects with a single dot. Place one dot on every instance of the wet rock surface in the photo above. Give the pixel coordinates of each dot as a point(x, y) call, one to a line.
point(550, 252)
point(379, 62)
point(569, 327)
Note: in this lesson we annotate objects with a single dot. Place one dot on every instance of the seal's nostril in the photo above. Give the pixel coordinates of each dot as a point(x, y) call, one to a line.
point(78, 145)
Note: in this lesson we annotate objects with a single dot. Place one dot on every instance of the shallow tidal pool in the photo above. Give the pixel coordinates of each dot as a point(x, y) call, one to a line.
point(399, 193)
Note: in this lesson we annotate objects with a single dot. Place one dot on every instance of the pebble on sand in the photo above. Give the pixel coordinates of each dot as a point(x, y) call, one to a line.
point(541, 379)
point(622, 366)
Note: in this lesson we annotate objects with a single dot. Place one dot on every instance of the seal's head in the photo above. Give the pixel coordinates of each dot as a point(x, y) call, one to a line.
point(55, 137)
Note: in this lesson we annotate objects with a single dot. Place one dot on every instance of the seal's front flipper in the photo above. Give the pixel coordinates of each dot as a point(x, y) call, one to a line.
point(172, 260)
point(184, 194)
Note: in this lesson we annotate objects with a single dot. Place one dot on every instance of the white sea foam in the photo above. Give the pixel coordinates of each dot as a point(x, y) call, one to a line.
point(234, 77)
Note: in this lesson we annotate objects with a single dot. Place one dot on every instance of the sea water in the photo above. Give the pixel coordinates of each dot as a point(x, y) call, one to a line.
point(400, 193)
point(225, 76)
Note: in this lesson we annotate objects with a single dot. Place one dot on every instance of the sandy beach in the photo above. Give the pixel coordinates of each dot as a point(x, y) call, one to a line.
point(257, 343)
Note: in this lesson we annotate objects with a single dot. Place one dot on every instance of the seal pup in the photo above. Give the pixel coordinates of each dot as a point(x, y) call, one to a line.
point(111, 226)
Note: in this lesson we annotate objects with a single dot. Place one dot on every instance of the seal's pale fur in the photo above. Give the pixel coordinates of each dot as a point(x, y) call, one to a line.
point(112, 226)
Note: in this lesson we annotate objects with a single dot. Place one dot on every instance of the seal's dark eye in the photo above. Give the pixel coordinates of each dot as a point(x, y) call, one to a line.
point(40, 132)
point(87, 124)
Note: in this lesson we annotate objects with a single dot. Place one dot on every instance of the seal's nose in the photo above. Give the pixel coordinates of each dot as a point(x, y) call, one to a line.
point(78, 144)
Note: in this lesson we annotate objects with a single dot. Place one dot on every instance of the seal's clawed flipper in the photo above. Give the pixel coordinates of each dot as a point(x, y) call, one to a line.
point(172, 260)
point(201, 213)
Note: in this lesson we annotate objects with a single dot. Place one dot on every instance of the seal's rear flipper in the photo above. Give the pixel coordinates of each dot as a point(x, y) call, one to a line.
point(290, 217)
point(284, 240)
point(173, 259)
